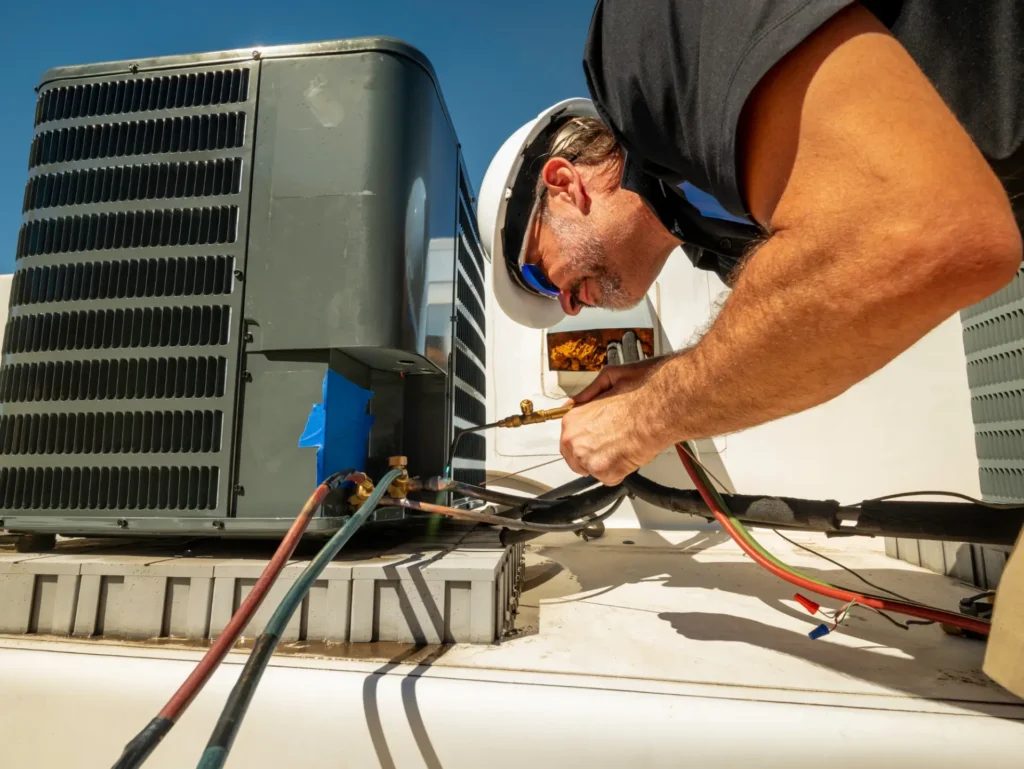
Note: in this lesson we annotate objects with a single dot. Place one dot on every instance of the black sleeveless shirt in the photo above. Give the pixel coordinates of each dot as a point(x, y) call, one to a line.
point(671, 77)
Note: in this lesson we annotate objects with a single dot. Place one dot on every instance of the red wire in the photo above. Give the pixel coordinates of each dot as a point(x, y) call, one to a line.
point(187, 692)
point(935, 615)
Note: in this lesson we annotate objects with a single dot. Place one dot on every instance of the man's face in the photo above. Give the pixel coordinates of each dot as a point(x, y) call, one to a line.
point(600, 247)
point(581, 268)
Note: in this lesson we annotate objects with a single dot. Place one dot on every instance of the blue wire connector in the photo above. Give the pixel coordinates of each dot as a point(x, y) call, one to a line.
point(819, 632)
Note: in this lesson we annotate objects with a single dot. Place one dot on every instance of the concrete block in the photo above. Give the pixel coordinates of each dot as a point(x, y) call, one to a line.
point(994, 559)
point(187, 568)
point(174, 623)
point(891, 548)
point(909, 551)
point(16, 602)
point(65, 604)
point(200, 599)
point(481, 623)
point(959, 563)
point(428, 589)
point(392, 567)
point(362, 620)
point(932, 555)
point(222, 605)
point(88, 606)
point(118, 565)
point(110, 617)
point(142, 606)
point(458, 611)
point(337, 611)
point(266, 610)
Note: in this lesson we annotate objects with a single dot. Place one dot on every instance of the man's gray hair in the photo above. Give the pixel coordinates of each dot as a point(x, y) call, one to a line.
point(583, 141)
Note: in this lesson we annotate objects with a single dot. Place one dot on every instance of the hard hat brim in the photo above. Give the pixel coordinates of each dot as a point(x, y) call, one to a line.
point(521, 305)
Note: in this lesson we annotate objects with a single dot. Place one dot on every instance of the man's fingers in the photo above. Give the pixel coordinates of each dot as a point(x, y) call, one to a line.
point(612, 475)
point(569, 455)
point(574, 464)
point(595, 388)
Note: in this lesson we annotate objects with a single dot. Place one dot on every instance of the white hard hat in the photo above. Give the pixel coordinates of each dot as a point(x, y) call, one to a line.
point(506, 207)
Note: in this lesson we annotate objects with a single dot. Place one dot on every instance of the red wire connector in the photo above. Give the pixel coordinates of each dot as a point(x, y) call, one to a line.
point(807, 603)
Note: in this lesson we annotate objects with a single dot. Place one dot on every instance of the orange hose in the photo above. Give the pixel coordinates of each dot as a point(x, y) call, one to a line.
point(192, 685)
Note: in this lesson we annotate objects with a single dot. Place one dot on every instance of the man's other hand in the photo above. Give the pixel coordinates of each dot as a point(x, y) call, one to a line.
point(613, 379)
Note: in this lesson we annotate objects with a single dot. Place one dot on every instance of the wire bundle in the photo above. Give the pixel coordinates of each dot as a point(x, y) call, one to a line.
point(735, 529)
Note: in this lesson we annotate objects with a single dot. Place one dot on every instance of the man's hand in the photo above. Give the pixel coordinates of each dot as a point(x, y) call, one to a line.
point(608, 434)
point(618, 379)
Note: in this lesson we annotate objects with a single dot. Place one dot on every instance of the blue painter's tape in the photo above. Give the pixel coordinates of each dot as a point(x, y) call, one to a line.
point(339, 427)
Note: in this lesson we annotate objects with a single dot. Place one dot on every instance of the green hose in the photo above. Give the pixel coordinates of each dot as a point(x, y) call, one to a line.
point(231, 716)
point(737, 524)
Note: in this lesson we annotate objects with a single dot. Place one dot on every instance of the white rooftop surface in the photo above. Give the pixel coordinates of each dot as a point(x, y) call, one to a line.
point(673, 650)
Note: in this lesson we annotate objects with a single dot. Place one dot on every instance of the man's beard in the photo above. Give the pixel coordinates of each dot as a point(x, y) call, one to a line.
point(580, 246)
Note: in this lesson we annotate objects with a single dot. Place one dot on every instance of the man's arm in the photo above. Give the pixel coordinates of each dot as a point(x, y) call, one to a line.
point(884, 218)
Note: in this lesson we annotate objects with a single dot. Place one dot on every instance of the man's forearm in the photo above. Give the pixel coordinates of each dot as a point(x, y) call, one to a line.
point(810, 316)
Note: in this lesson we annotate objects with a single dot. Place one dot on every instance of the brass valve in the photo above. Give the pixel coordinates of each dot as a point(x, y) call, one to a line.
point(361, 493)
point(528, 416)
point(399, 487)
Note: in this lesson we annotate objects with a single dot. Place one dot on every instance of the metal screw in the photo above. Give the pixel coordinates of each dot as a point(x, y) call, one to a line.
point(239, 489)
point(725, 243)
point(256, 54)
point(248, 336)
point(122, 523)
point(238, 274)
point(133, 68)
point(218, 524)
point(246, 376)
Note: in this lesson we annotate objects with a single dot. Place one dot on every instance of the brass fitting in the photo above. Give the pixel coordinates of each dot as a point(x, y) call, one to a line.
point(528, 416)
point(399, 487)
point(361, 493)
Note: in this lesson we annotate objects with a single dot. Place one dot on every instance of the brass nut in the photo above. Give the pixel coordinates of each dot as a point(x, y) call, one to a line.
point(526, 407)
point(399, 488)
point(361, 494)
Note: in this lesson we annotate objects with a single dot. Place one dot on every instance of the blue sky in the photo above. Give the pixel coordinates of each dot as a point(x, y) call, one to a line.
point(498, 63)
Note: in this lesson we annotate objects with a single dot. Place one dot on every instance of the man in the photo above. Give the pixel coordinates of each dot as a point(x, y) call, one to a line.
point(870, 148)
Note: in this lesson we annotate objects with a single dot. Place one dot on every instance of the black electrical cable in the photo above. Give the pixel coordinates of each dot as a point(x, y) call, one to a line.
point(954, 494)
point(676, 500)
point(492, 519)
point(834, 562)
point(466, 431)
point(575, 508)
point(498, 497)
point(950, 521)
point(575, 486)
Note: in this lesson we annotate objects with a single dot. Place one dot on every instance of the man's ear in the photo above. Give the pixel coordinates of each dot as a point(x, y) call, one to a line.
point(565, 184)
